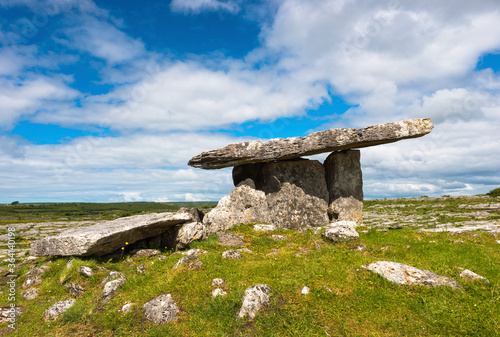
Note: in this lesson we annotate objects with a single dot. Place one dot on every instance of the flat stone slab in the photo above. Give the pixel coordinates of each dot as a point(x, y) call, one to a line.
point(323, 141)
point(107, 236)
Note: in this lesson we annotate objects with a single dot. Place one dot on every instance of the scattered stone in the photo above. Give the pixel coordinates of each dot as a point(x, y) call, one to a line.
point(128, 261)
point(218, 292)
point(126, 307)
point(340, 231)
point(195, 251)
point(101, 268)
point(327, 289)
point(162, 257)
point(218, 282)
point(407, 275)
point(161, 309)
point(57, 309)
point(345, 186)
point(467, 274)
point(459, 242)
point(75, 289)
point(230, 239)
point(107, 236)
point(8, 313)
point(86, 271)
point(498, 241)
point(279, 237)
point(363, 232)
point(141, 269)
point(112, 276)
point(254, 299)
point(305, 290)
point(111, 288)
point(231, 254)
point(30, 294)
point(144, 252)
point(264, 228)
point(318, 142)
point(318, 247)
point(38, 271)
point(360, 248)
point(32, 281)
point(69, 263)
point(190, 261)
point(385, 248)
point(245, 250)
point(395, 227)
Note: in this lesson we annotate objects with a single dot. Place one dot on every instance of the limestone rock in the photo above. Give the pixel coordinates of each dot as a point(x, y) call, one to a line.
point(126, 308)
point(144, 252)
point(264, 228)
point(107, 236)
point(231, 254)
point(218, 282)
point(32, 281)
point(345, 186)
point(305, 290)
point(195, 251)
point(324, 141)
point(468, 274)
point(161, 309)
point(75, 289)
point(230, 239)
point(111, 288)
point(38, 271)
point(30, 294)
point(254, 299)
point(141, 269)
point(112, 276)
point(190, 261)
point(57, 309)
point(406, 275)
point(341, 231)
point(190, 232)
point(218, 292)
point(279, 237)
point(7, 314)
point(86, 271)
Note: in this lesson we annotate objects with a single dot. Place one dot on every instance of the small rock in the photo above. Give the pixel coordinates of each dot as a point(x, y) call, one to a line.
point(32, 281)
point(327, 289)
point(467, 274)
point(59, 308)
point(69, 263)
point(360, 248)
point(190, 261)
point(230, 239)
point(218, 282)
point(162, 257)
point(459, 242)
point(38, 271)
point(264, 228)
point(111, 288)
point(141, 269)
point(144, 252)
point(385, 248)
point(161, 309)
point(318, 247)
point(128, 261)
point(75, 289)
point(86, 271)
point(254, 299)
point(195, 251)
point(218, 292)
point(231, 254)
point(113, 275)
point(8, 312)
point(363, 232)
point(126, 308)
point(30, 294)
point(498, 241)
point(406, 275)
point(340, 233)
point(101, 268)
point(305, 290)
point(279, 237)
point(245, 250)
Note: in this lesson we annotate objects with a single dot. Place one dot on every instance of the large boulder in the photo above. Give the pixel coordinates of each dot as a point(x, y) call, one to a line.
point(107, 236)
point(319, 142)
point(345, 186)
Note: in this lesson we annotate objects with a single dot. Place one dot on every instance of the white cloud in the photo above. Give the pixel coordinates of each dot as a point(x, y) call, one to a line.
point(197, 6)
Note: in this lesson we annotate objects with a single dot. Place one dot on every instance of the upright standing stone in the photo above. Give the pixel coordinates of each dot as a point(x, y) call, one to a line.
point(345, 186)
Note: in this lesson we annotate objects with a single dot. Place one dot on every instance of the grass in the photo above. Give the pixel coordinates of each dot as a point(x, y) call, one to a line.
point(360, 303)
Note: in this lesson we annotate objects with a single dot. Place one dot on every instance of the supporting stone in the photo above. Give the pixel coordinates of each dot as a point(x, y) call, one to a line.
point(345, 186)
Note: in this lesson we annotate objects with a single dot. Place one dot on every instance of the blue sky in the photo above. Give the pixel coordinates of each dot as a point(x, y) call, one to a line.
point(108, 100)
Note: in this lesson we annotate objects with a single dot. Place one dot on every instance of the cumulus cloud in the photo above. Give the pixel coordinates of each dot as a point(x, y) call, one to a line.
point(197, 6)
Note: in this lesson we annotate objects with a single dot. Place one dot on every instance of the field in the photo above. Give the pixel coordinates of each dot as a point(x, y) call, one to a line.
point(437, 234)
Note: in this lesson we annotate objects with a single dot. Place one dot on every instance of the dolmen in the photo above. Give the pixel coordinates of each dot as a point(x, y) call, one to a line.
point(275, 185)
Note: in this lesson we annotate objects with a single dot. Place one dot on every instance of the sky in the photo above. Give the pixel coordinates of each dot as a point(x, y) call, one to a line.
point(106, 101)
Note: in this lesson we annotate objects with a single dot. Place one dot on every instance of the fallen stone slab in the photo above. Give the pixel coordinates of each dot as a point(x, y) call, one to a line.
point(407, 275)
point(255, 298)
point(319, 142)
point(161, 309)
point(107, 236)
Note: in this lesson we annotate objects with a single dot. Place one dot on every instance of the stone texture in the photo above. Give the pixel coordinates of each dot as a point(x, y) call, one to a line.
point(75, 289)
point(190, 261)
point(144, 252)
point(141, 269)
point(32, 281)
point(468, 274)
point(407, 275)
point(218, 292)
point(254, 299)
point(107, 236)
point(57, 309)
point(305, 290)
point(9, 314)
point(231, 254)
point(86, 271)
point(112, 276)
point(126, 308)
point(227, 239)
point(264, 228)
point(341, 231)
point(319, 142)
point(218, 282)
point(344, 181)
point(161, 309)
point(110, 288)
point(30, 294)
